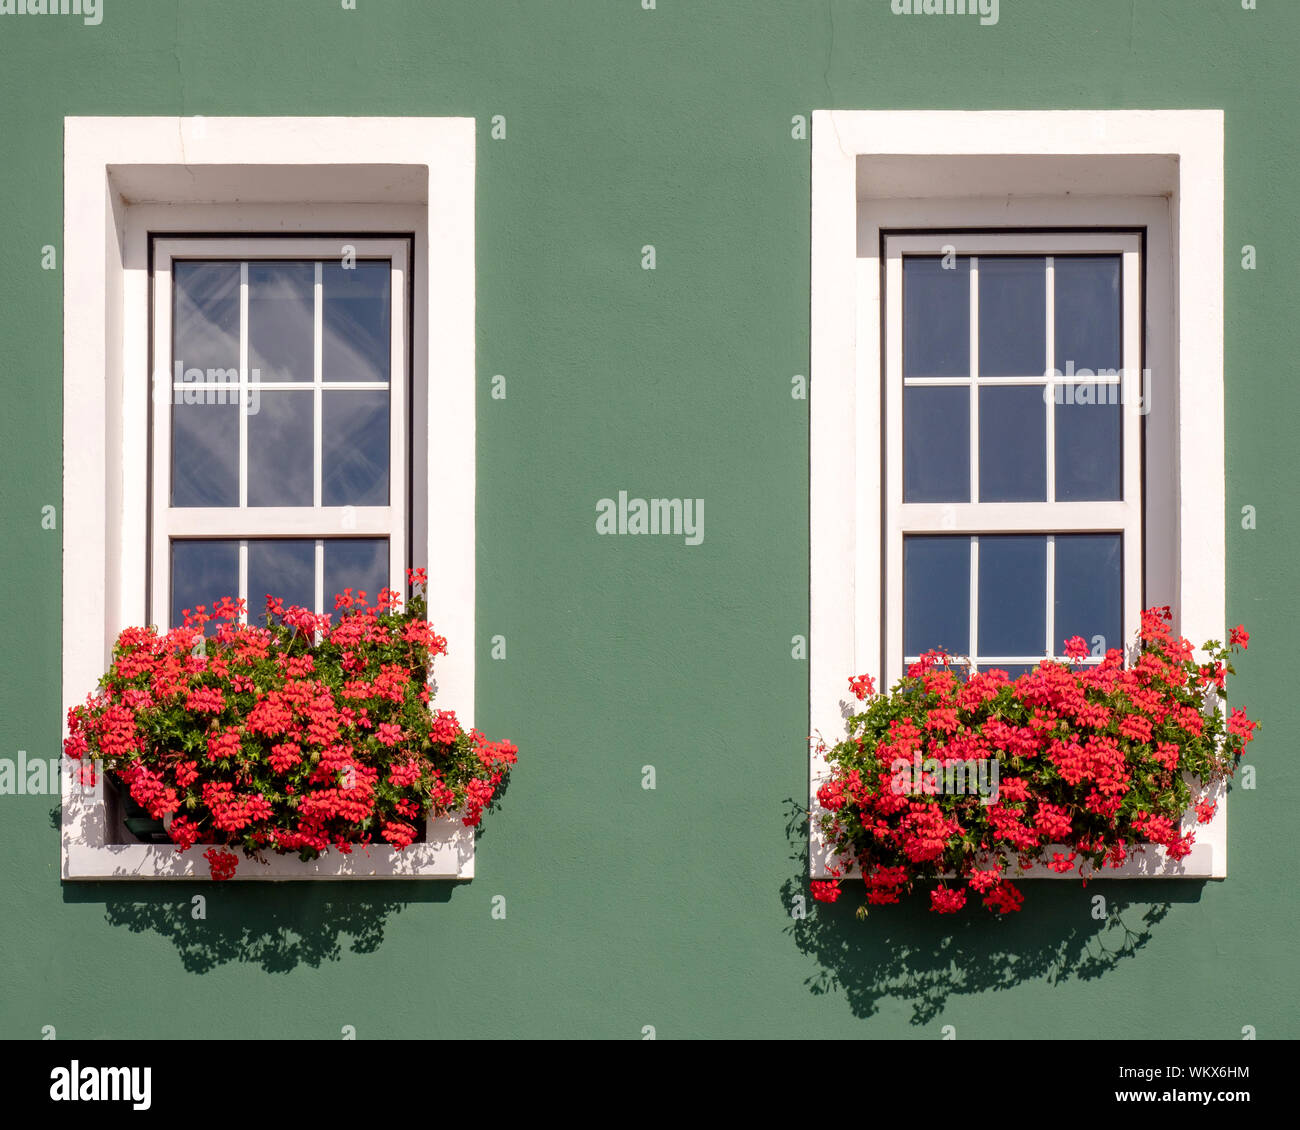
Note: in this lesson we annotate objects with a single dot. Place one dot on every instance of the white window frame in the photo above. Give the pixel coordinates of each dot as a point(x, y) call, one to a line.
point(244, 522)
point(876, 172)
point(974, 518)
point(127, 179)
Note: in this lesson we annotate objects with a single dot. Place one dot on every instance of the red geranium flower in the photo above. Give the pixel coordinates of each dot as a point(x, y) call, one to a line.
point(825, 890)
point(862, 686)
point(302, 736)
point(1085, 763)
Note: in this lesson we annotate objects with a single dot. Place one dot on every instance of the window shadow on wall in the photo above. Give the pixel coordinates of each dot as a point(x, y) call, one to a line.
point(907, 953)
point(277, 926)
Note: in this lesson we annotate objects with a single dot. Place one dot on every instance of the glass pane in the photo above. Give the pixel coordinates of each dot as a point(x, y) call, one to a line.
point(1089, 590)
point(202, 573)
point(205, 323)
point(205, 447)
point(1013, 444)
point(354, 449)
point(359, 564)
point(1088, 307)
point(1013, 595)
point(936, 594)
point(358, 341)
point(1013, 316)
point(284, 568)
point(1088, 450)
point(281, 321)
point(936, 444)
point(280, 448)
point(936, 318)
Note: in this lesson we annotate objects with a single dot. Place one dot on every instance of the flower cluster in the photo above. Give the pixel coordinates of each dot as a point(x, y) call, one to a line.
point(1091, 762)
point(307, 734)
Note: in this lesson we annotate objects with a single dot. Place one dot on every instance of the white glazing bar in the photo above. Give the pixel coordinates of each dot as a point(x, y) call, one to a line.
point(243, 578)
point(278, 521)
point(243, 385)
point(286, 386)
point(1052, 643)
point(318, 350)
point(1014, 517)
point(1019, 379)
point(1049, 392)
point(972, 645)
point(320, 576)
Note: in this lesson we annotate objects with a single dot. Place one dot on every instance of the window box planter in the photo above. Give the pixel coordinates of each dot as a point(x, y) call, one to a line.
point(136, 819)
point(145, 829)
point(305, 737)
point(969, 783)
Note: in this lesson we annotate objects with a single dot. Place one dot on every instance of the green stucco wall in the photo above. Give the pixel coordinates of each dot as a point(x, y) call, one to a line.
point(628, 907)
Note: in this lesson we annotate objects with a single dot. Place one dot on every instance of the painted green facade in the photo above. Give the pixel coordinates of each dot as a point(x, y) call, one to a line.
point(627, 907)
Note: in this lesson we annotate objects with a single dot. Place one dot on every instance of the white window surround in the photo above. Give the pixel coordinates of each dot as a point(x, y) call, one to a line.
point(875, 172)
point(125, 178)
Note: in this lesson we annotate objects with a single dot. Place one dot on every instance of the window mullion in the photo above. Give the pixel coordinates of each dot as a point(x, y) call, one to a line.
point(318, 339)
point(1049, 618)
point(243, 384)
point(320, 575)
point(243, 576)
point(1049, 389)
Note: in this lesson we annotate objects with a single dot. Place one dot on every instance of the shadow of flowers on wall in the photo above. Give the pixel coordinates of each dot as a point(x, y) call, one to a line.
point(277, 926)
point(907, 953)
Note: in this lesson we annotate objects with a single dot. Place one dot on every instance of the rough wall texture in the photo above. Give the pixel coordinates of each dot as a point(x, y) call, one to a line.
point(629, 907)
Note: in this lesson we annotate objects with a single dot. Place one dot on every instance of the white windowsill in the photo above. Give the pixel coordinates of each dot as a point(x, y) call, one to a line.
point(448, 853)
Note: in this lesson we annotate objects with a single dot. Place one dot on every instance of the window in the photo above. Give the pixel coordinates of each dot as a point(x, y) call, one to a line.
point(962, 494)
point(1013, 436)
point(328, 304)
point(280, 457)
